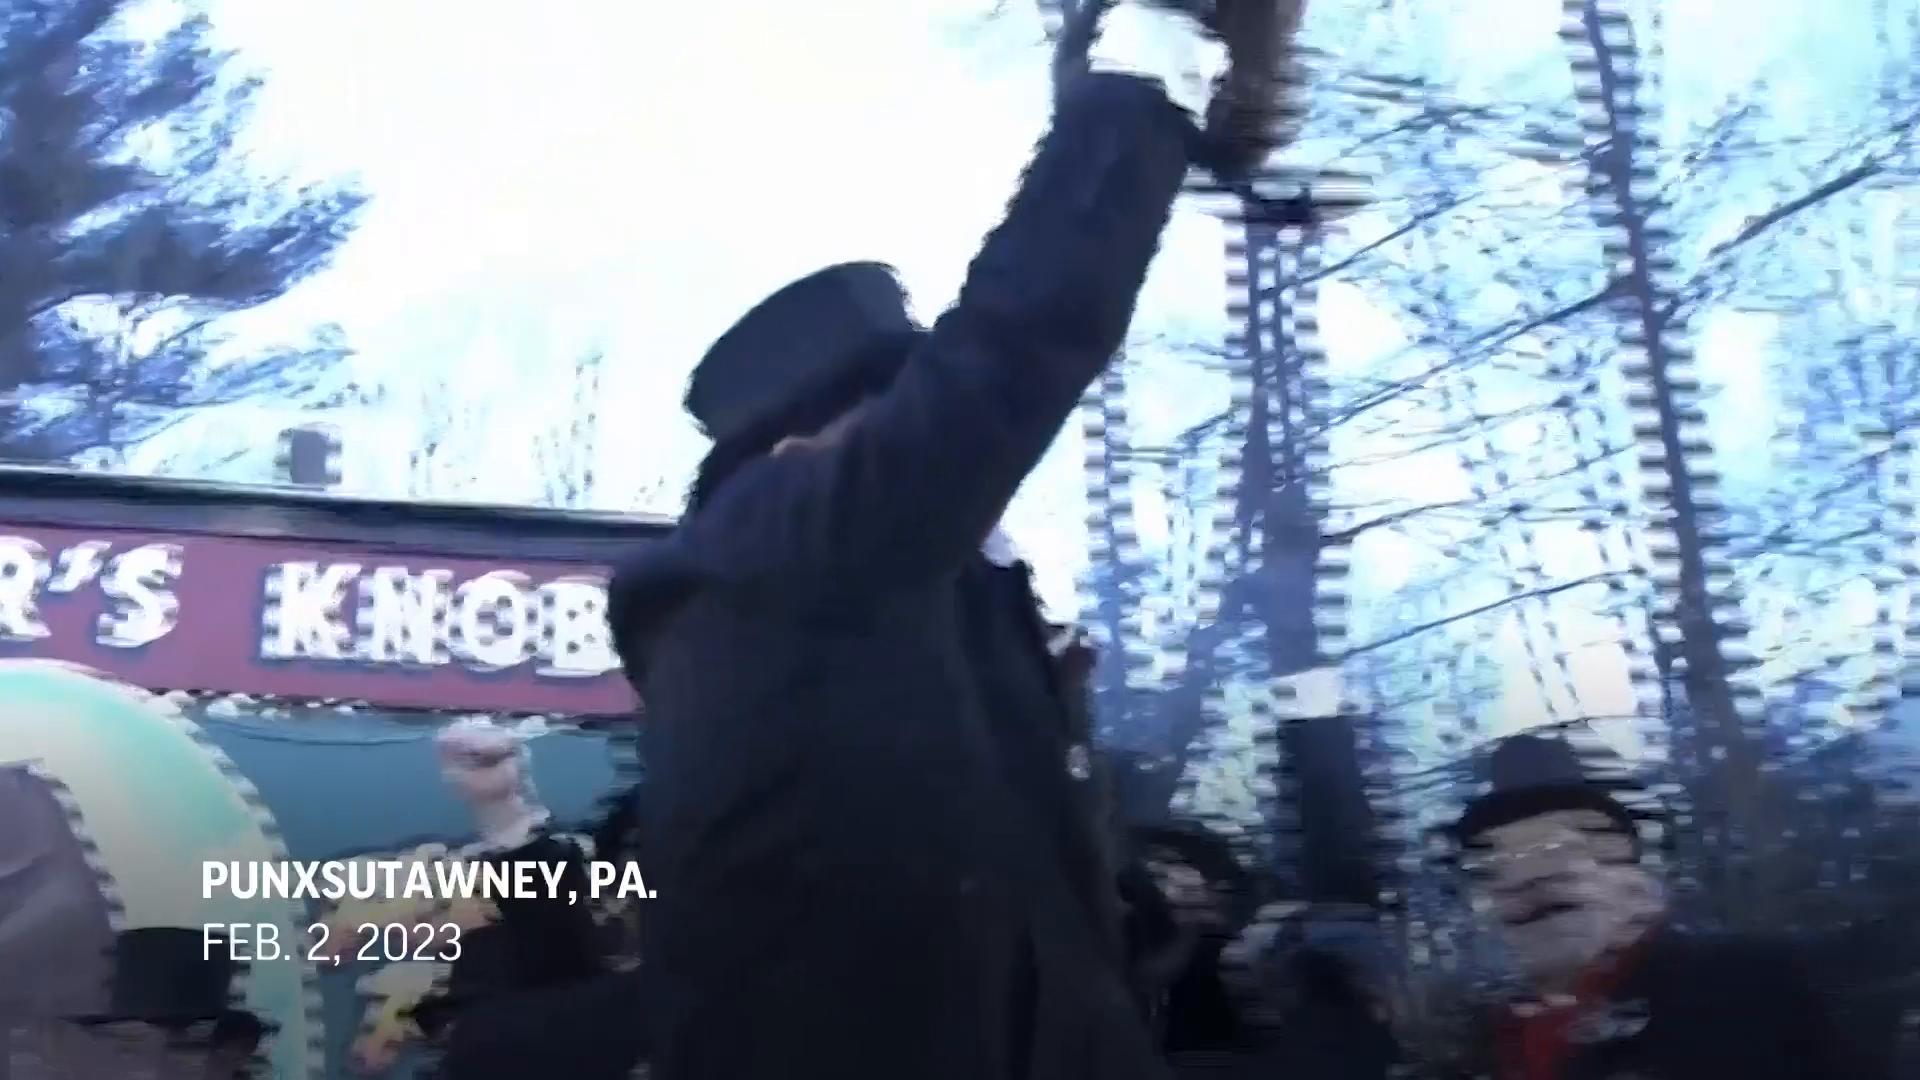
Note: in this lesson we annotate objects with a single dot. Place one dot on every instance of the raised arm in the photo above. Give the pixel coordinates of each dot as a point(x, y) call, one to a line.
point(917, 480)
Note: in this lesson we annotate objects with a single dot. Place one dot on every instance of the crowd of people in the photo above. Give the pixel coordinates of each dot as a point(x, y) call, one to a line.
point(1226, 978)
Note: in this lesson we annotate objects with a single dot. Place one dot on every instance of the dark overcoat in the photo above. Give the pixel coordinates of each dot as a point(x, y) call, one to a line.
point(533, 994)
point(1733, 1006)
point(870, 854)
point(1697, 1007)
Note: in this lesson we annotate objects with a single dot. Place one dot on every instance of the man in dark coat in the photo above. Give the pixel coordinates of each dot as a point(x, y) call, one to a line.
point(1614, 992)
point(168, 1015)
point(538, 990)
point(1210, 898)
point(860, 809)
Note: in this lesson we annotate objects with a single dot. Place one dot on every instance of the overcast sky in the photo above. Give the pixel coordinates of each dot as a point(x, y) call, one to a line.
point(557, 177)
point(550, 178)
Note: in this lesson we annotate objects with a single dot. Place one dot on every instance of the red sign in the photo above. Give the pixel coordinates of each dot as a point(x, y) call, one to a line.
point(284, 619)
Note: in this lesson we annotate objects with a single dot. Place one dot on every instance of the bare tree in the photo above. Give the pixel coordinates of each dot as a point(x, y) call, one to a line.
point(1699, 626)
point(1250, 612)
point(532, 441)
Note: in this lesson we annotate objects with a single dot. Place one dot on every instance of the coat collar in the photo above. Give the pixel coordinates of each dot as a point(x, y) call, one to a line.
point(999, 549)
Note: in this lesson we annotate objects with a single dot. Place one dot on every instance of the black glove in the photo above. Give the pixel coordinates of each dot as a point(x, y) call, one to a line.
point(1248, 116)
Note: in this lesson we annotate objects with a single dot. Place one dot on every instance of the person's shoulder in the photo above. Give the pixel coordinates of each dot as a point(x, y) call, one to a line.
point(1734, 946)
point(1745, 964)
point(645, 591)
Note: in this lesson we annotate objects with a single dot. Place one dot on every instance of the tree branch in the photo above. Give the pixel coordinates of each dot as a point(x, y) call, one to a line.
point(1755, 226)
point(1472, 350)
point(1435, 624)
point(1411, 224)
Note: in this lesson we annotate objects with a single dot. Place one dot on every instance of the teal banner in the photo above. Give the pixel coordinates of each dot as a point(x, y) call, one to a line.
point(118, 799)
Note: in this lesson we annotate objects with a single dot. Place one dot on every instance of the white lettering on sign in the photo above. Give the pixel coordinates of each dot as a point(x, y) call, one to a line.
point(574, 637)
point(137, 584)
point(343, 612)
point(304, 602)
point(78, 566)
point(493, 621)
point(144, 609)
point(423, 618)
point(399, 615)
point(24, 567)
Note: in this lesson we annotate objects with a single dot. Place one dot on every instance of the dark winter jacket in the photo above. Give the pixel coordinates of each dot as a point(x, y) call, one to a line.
point(591, 1028)
point(534, 993)
point(870, 856)
point(1695, 1007)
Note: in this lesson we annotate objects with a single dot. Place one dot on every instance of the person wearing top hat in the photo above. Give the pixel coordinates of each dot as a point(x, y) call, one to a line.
point(861, 816)
point(1209, 897)
point(108, 806)
point(542, 984)
point(1612, 991)
point(168, 1014)
point(1245, 985)
point(540, 989)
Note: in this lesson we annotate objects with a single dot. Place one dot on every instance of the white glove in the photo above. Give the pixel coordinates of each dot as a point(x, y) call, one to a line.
point(487, 766)
point(1156, 43)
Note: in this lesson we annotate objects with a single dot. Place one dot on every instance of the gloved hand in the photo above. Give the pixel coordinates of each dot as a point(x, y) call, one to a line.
point(1157, 41)
point(1176, 42)
point(487, 766)
point(1246, 118)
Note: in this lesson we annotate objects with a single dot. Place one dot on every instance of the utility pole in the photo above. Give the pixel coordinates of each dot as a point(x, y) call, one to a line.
point(1275, 588)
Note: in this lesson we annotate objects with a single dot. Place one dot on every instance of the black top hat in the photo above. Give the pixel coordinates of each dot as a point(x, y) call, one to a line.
point(846, 323)
point(168, 975)
point(1532, 775)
